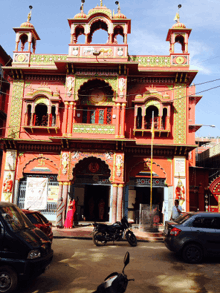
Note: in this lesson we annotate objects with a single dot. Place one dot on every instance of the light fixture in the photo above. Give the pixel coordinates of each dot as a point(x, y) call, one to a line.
point(96, 53)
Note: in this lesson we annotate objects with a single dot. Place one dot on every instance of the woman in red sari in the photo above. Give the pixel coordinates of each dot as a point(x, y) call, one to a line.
point(70, 215)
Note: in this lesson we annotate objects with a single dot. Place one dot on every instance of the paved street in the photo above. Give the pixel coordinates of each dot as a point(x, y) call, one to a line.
point(79, 266)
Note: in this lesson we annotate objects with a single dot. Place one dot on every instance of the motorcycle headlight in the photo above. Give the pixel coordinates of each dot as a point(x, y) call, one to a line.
point(34, 254)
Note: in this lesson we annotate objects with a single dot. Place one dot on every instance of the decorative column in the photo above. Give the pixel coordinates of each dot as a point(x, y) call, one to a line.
point(65, 116)
point(123, 121)
point(117, 128)
point(16, 190)
point(114, 202)
point(60, 207)
point(74, 112)
point(119, 202)
point(65, 200)
point(70, 118)
point(143, 117)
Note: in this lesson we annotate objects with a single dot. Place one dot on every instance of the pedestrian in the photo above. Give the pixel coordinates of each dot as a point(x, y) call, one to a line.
point(176, 210)
point(70, 215)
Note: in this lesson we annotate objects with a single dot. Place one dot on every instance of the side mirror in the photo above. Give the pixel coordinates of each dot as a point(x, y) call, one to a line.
point(127, 258)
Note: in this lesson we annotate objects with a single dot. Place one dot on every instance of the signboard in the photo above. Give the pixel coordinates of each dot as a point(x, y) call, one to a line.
point(36, 193)
point(180, 166)
point(53, 193)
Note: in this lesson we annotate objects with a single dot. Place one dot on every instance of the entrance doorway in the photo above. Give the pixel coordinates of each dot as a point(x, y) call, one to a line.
point(143, 197)
point(96, 203)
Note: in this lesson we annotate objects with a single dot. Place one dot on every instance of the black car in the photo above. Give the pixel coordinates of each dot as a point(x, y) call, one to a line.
point(25, 251)
point(194, 235)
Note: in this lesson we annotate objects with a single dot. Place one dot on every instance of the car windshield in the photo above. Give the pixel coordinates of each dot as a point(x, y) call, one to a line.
point(43, 218)
point(183, 218)
point(34, 218)
point(15, 218)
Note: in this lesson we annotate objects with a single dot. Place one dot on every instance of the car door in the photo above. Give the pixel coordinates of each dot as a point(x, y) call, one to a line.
point(205, 233)
point(216, 225)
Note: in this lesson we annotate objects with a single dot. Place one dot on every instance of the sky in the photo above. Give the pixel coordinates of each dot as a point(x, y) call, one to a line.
point(150, 22)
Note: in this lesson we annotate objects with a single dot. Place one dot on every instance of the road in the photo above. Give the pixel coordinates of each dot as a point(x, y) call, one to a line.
point(79, 266)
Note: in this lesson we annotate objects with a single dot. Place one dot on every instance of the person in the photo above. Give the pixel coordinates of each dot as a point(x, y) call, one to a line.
point(176, 210)
point(8, 184)
point(70, 215)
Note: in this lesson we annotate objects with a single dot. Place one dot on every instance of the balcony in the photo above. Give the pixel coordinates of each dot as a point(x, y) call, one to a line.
point(46, 122)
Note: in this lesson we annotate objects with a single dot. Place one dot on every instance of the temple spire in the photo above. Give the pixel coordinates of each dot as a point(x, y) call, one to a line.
point(101, 4)
point(177, 17)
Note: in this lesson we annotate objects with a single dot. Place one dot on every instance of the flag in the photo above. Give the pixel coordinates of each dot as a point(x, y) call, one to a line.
point(177, 17)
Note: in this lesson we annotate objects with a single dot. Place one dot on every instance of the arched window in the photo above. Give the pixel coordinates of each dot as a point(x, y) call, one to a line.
point(95, 99)
point(179, 44)
point(139, 118)
point(149, 115)
point(79, 33)
point(103, 36)
point(41, 115)
point(53, 116)
point(118, 36)
point(29, 115)
point(164, 119)
point(23, 39)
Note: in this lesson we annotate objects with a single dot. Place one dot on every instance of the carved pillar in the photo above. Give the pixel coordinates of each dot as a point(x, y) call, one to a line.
point(125, 38)
point(86, 38)
point(143, 118)
point(74, 113)
point(65, 200)
point(114, 202)
point(117, 126)
point(29, 46)
point(123, 121)
point(16, 47)
point(119, 202)
point(60, 207)
point(65, 117)
point(70, 118)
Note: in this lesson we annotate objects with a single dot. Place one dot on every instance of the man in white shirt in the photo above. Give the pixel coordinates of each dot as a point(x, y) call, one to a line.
point(176, 210)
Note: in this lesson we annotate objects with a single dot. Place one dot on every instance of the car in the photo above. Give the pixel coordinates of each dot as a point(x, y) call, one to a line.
point(194, 235)
point(25, 251)
point(39, 221)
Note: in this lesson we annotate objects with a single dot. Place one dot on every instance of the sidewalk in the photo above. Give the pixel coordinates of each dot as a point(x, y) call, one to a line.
point(85, 232)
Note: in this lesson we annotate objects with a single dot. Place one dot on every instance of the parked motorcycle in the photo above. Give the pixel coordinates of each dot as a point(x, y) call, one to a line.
point(115, 282)
point(103, 233)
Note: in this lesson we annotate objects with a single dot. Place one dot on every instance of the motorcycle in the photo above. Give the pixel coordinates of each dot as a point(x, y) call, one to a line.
point(115, 282)
point(103, 233)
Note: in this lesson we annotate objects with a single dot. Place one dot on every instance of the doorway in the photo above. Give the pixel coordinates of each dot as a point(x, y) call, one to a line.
point(143, 197)
point(96, 203)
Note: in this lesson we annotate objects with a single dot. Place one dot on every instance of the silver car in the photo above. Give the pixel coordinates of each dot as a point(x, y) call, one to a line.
point(194, 235)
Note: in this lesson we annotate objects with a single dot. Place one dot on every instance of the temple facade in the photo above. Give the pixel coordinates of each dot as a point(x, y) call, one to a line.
point(112, 130)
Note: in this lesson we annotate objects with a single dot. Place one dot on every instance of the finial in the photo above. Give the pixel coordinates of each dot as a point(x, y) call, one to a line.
point(81, 7)
point(119, 8)
point(177, 17)
point(29, 14)
point(101, 4)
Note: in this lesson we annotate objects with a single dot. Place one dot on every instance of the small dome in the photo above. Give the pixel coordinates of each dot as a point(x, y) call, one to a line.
point(119, 15)
point(26, 24)
point(80, 15)
point(179, 25)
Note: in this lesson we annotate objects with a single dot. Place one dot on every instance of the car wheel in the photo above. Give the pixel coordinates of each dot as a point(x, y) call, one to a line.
point(8, 279)
point(192, 253)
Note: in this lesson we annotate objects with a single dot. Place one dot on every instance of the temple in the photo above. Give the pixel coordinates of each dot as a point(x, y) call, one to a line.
point(96, 123)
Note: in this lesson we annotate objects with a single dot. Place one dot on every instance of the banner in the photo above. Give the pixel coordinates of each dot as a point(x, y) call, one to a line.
point(36, 193)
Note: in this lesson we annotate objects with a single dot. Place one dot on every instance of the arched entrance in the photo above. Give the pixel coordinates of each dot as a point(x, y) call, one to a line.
point(92, 188)
point(138, 189)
